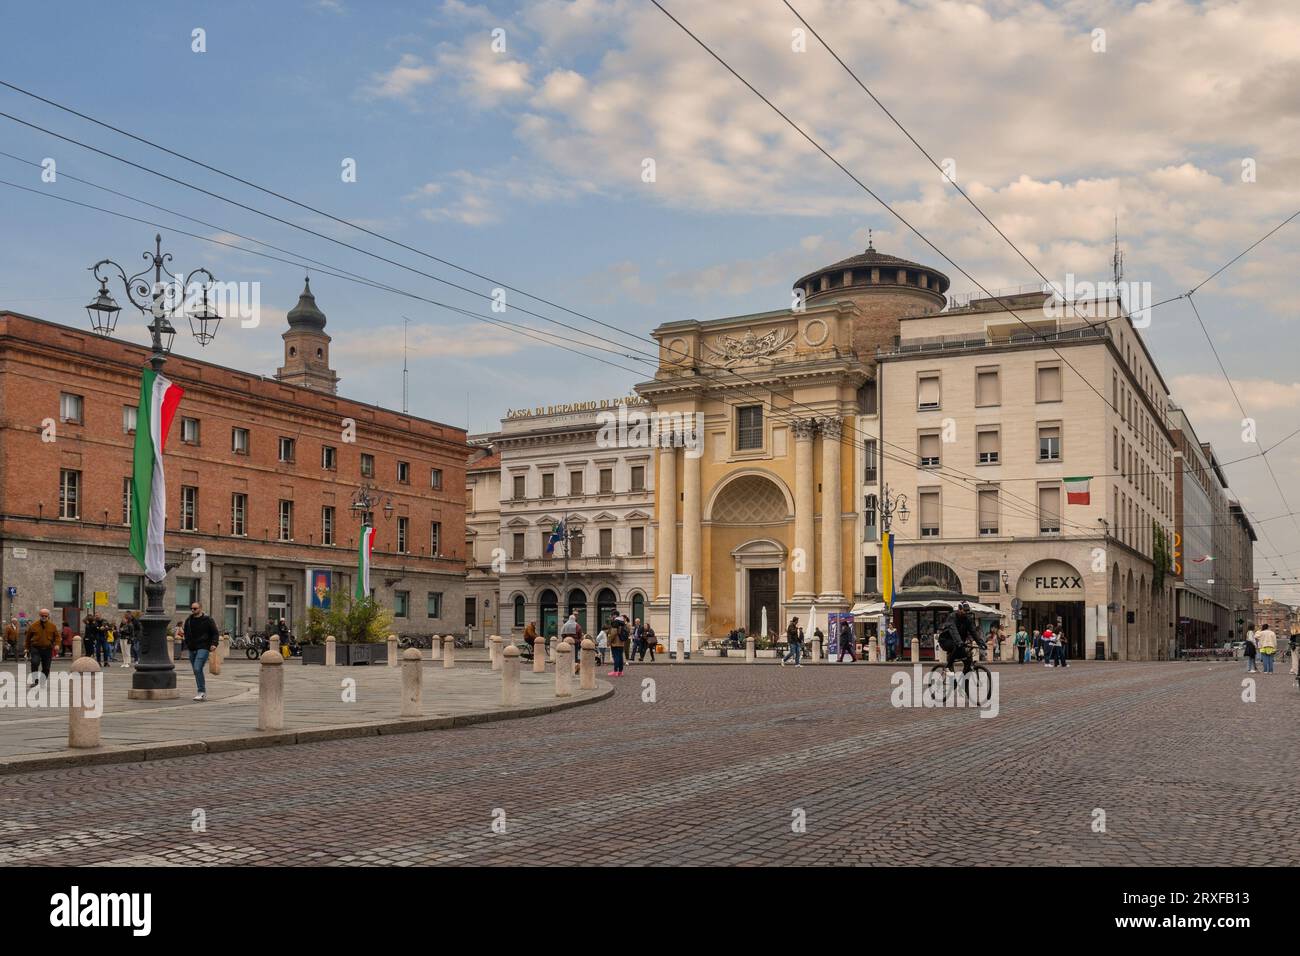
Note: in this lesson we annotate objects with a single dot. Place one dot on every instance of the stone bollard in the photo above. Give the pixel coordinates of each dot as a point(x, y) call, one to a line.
point(750, 656)
point(1008, 651)
point(83, 729)
point(449, 651)
point(171, 647)
point(270, 692)
point(77, 649)
point(816, 650)
point(435, 648)
point(588, 679)
point(550, 650)
point(563, 669)
point(412, 677)
point(275, 644)
point(510, 676)
point(494, 651)
point(223, 647)
point(869, 652)
point(916, 650)
point(539, 656)
point(393, 659)
point(331, 650)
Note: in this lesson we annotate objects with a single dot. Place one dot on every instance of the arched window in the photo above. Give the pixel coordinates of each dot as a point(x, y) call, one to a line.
point(605, 606)
point(638, 607)
point(577, 605)
point(519, 610)
point(933, 575)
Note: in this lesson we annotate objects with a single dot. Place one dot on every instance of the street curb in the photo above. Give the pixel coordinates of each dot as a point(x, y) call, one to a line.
point(168, 749)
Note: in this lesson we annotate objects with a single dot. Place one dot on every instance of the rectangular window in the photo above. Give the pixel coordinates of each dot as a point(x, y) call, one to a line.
point(435, 537)
point(190, 431)
point(929, 508)
point(189, 508)
point(471, 613)
point(988, 389)
point(749, 427)
point(988, 581)
point(638, 477)
point(403, 472)
point(67, 589)
point(928, 450)
point(329, 458)
point(434, 604)
point(238, 514)
point(288, 450)
point(575, 482)
point(520, 491)
point(129, 589)
point(71, 408)
point(927, 391)
point(638, 541)
point(69, 493)
point(368, 466)
point(403, 528)
point(871, 460)
point(988, 511)
point(548, 485)
point(187, 592)
point(435, 479)
point(401, 604)
point(1049, 442)
point(576, 543)
point(869, 575)
point(520, 611)
point(327, 525)
point(517, 551)
point(869, 516)
point(1049, 509)
point(606, 542)
point(988, 449)
point(606, 481)
point(286, 520)
point(129, 413)
point(1114, 453)
point(1049, 383)
point(868, 403)
point(127, 504)
point(239, 441)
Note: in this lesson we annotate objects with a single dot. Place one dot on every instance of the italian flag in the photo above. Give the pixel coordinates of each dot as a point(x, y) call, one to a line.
point(159, 398)
point(363, 562)
point(1076, 490)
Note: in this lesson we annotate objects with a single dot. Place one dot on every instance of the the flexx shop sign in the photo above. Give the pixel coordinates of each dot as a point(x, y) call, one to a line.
point(1051, 581)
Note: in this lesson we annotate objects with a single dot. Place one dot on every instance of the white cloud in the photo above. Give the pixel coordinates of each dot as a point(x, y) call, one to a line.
point(409, 75)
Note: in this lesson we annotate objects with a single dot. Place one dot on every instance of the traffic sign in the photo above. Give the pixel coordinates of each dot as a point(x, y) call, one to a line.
point(1015, 605)
point(13, 593)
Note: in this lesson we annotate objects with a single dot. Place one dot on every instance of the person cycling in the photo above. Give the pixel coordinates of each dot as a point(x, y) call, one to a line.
point(958, 631)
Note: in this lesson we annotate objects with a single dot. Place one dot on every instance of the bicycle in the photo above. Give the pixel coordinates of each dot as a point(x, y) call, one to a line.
point(975, 680)
point(416, 641)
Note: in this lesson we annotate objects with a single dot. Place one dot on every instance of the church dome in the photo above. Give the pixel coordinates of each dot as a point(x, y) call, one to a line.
point(874, 272)
point(305, 315)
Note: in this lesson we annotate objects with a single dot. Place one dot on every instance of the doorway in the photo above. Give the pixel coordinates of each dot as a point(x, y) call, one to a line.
point(764, 592)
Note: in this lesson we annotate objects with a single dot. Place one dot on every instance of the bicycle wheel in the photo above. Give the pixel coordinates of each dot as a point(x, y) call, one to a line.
point(251, 652)
point(977, 684)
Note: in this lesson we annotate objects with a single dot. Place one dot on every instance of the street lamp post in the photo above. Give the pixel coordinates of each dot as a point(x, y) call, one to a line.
point(155, 674)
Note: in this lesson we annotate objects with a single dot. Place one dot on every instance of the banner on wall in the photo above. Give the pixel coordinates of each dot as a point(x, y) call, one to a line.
point(320, 581)
point(679, 613)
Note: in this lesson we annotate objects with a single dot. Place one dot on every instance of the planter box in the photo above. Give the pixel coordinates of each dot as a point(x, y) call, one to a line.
point(714, 652)
point(313, 654)
point(346, 654)
point(772, 652)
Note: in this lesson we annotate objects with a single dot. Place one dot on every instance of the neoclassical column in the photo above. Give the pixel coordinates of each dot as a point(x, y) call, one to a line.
point(666, 501)
point(805, 588)
point(691, 514)
point(831, 429)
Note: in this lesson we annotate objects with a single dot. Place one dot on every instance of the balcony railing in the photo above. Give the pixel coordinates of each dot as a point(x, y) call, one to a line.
point(941, 343)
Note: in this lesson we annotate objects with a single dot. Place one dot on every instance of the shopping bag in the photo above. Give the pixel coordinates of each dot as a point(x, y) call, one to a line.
point(214, 664)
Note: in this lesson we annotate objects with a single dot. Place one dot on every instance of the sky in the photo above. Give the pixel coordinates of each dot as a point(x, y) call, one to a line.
point(511, 139)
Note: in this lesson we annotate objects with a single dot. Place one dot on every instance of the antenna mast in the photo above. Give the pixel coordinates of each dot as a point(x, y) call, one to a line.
point(406, 393)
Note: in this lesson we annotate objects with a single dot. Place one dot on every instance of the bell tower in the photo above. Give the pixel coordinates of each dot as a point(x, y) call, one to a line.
point(307, 347)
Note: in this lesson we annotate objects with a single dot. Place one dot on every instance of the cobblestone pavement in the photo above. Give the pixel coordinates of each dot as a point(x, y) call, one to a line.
point(718, 768)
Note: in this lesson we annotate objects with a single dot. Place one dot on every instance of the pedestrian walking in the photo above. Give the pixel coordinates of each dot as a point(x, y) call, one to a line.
point(617, 645)
point(891, 642)
point(1267, 647)
point(66, 640)
point(96, 637)
point(602, 647)
point(40, 641)
point(10, 645)
point(651, 639)
point(1038, 646)
point(847, 643)
point(794, 642)
point(1248, 651)
point(1049, 645)
point(201, 639)
point(1295, 658)
point(1022, 645)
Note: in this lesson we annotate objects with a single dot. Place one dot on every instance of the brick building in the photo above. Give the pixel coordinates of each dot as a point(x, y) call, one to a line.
point(261, 475)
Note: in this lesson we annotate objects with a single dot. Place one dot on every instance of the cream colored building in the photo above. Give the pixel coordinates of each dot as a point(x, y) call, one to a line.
point(550, 465)
point(985, 412)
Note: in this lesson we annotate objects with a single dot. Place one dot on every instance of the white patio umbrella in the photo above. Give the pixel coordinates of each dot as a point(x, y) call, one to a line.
point(762, 625)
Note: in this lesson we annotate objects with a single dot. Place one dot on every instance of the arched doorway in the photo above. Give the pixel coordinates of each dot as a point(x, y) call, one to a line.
point(638, 607)
point(577, 604)
point(521, 611)
point(1130, 646)
point(1144, 622)
point(606, 604)
point(1051, 594)
point(549, 611)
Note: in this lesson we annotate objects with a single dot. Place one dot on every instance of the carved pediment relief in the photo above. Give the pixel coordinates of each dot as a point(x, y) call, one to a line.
point(751, 347)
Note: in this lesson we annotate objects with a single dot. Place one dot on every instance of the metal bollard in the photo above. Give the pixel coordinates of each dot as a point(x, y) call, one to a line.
point(393, 659)
point(563, 669)
point(83, 729)
point(331, 650)
point(449, 651)
point(494, 651)
point(539, 656)
point(412, 677)
point(588, 679)
point(270, 692)
point(510, 676)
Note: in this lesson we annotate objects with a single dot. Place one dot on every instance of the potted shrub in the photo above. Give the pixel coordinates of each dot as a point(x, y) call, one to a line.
point(765, 647)
point(360, 630)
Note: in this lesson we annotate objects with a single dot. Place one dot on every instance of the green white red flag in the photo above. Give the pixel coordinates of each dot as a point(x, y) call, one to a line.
point(159, 399)
point(1076, 490)
point(363, 562)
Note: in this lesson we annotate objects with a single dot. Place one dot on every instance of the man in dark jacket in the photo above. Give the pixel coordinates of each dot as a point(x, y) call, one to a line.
point(201, 639)
point(97, 639)
point(41, 640)
point(959, 629)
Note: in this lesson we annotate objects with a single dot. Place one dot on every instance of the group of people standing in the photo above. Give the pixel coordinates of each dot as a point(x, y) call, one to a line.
point(1262, 645)
point(625, 639)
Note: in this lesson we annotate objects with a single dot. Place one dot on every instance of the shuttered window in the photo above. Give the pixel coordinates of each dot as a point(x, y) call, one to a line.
point(1049, 442)
point(987, 447)
point(928, 450)
point(929, 506)
point(1049, 509)
point(927, 391)
point(1049, 383)
point(988, 390)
